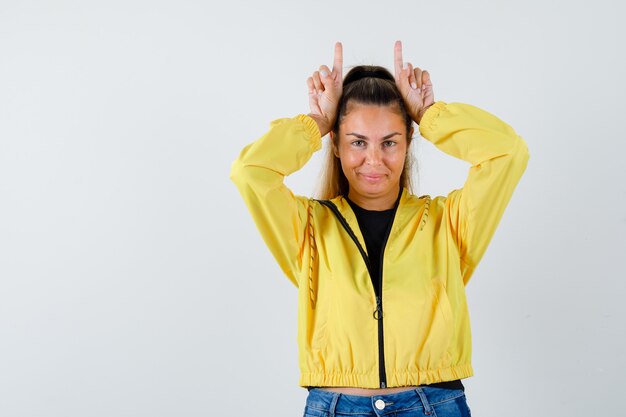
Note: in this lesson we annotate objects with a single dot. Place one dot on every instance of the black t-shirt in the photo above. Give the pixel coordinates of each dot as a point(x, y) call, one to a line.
point(374, 225)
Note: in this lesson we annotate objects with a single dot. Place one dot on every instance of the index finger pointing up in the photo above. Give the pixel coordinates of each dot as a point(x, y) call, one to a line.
point(338, 63)
point(397, 58)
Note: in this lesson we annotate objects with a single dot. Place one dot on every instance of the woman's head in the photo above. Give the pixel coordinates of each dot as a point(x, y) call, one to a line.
point(369, 154)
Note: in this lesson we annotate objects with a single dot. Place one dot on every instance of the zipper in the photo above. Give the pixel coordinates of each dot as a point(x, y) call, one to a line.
point(378, 312)
point(379, 307)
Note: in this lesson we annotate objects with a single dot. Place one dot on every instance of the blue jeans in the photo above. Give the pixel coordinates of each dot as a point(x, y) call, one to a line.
point(421, 401)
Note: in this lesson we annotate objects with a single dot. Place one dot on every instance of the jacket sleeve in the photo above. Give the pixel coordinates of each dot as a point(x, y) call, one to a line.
point(259, 173)
point(498, 158)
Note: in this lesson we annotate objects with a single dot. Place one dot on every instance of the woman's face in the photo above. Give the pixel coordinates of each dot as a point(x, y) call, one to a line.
point(372, 148)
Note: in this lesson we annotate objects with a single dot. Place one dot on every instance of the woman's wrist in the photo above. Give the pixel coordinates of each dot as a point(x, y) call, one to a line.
point(322, 124)
point(422, 112)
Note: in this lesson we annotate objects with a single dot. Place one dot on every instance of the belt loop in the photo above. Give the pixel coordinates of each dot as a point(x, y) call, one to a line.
point(333, 404)
point(427, 408)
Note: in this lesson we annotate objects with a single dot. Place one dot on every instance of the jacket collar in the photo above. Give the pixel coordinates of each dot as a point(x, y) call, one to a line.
point(407, 206)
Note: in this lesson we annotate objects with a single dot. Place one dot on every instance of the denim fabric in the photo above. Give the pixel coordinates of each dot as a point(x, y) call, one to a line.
point(421, 401)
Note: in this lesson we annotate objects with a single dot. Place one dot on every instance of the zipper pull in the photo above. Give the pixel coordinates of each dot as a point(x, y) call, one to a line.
point(378, 313)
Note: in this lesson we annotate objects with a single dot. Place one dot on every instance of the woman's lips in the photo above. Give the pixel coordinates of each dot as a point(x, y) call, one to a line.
point(372, 177)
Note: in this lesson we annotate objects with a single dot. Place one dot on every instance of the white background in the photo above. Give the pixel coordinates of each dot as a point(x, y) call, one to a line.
point(133, 281)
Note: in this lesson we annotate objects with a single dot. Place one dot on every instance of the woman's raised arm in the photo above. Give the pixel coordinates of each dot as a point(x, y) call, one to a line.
point(261, 167)
point(497, 154)
point(498, 158)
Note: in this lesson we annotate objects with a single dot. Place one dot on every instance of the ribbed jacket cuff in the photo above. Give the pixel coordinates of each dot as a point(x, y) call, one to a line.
point(428, 119)
point(312, 128)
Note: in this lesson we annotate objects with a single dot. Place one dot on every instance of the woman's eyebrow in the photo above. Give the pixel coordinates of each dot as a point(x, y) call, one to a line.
point(365, 137)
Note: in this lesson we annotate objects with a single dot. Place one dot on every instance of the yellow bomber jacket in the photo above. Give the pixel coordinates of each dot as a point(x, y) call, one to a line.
point(417, 331)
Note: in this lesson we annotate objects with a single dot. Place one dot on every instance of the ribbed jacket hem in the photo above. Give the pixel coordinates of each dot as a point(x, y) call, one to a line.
point(394, 379)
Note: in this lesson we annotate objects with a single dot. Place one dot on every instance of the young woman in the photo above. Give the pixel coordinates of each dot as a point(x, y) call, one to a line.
point(383, 322)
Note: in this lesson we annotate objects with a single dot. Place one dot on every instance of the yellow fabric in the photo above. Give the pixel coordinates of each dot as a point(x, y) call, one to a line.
point(433, 249)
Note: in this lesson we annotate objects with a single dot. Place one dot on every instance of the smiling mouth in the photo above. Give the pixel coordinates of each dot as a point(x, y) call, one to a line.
point(372, 177)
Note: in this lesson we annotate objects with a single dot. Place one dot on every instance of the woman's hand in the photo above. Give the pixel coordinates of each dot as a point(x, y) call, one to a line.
point(414, 85)
point(325, 91)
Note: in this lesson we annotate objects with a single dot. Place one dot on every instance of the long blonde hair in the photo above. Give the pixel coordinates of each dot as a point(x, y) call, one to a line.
point(364, 84)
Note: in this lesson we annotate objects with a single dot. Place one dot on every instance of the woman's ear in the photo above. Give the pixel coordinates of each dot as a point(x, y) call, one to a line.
point(332, 143)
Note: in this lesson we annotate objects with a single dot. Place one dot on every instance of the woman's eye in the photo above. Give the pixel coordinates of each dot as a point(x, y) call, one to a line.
point(358, 142)
point(389, 143)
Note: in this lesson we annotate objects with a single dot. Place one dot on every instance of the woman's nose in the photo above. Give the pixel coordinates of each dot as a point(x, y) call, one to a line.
point(373, 156)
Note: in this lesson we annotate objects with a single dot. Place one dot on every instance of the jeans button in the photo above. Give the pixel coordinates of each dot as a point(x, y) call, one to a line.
point(380, 404)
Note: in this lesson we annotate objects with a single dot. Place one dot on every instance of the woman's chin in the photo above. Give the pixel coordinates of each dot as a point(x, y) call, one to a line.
point(374, 190)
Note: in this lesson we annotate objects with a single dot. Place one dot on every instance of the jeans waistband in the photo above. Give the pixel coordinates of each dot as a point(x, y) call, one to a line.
point(422, 397)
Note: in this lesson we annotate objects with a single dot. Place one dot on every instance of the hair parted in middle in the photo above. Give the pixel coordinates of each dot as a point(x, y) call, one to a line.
point(364, 84)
